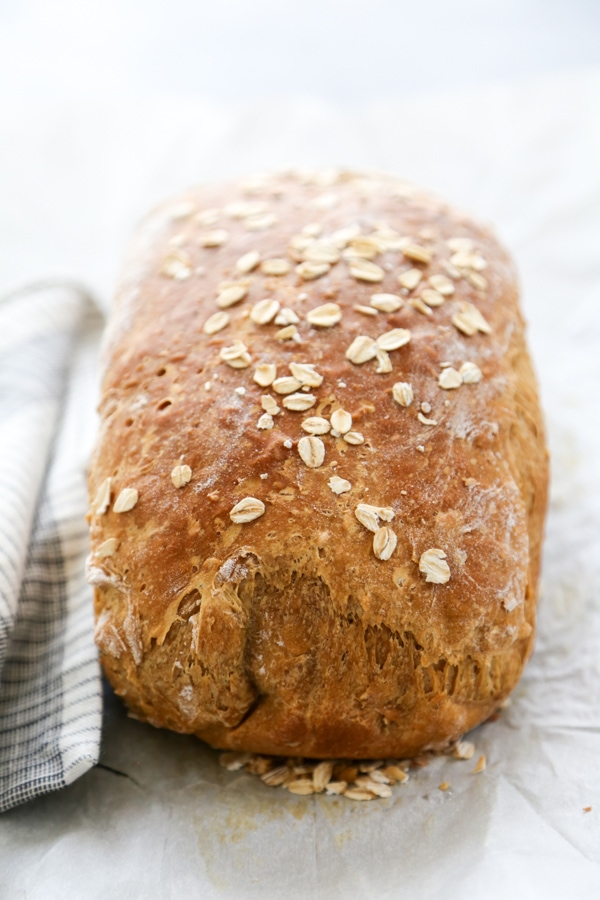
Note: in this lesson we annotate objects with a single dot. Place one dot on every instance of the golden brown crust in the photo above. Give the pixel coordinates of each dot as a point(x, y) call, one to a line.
point(285, 634)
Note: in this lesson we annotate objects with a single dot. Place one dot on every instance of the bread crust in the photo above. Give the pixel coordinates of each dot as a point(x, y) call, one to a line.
point(286, 634)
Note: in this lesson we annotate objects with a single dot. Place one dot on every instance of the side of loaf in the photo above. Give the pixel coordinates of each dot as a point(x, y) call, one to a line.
point(318, 492)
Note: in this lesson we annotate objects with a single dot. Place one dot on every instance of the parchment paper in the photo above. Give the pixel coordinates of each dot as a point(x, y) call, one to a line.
point(161, 819)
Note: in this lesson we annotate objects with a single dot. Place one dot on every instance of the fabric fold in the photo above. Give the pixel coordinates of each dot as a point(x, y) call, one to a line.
point(50, 688)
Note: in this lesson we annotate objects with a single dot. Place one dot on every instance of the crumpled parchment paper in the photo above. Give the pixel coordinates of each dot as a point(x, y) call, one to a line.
point(159, 818)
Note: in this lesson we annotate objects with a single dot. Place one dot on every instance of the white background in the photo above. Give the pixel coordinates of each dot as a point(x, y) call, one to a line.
point(94, 96)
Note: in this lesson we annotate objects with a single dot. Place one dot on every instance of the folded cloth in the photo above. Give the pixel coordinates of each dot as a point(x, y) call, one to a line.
point(50, 688)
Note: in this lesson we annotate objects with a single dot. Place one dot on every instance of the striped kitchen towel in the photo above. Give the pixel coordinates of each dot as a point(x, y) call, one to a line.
point(50, 689)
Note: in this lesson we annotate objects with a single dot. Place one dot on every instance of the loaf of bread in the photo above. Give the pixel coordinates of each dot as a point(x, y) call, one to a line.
point(318, 492)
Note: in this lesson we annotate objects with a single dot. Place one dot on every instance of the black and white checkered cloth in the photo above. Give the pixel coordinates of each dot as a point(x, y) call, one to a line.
point(50, 689)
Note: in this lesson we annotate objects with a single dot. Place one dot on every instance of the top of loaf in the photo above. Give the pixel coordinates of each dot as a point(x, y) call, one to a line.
point(386, 319)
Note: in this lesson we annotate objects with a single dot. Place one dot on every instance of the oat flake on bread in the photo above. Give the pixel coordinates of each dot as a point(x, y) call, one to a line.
point(242, 600)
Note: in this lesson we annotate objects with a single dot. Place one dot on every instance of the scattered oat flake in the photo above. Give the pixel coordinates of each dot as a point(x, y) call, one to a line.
point(402, 393)
point(421, 307)
point(177, 265)
point(102, 498)
point(425, 421)
point(384, 363)
point(444, 786)
point(260, 222)
point(324, 316)
point(343, 236)
point(287, 384)
point(275, 266)
point(341, 420)
point(336, 787)
point(470, 373)
point(213, 238)
point(312, 451)
point(339, 485)
point(450, 379)
point(258, 765)
point(107, 547)
point(384, 542)
point(410, 279)
point(315, 425)
point(464, 750)
point(247, 510)
point(297, 245)
point(321, 252)
point(362, 349)
point(364, 247)
point(369, 515)
point(264, 311)
point(396, 774)
point(236, 355)
point(354, 437)
point(126, 500)
point(369, 765)
point(463, 260)
point(231, 295)
point(286, 316)
point(480, 765)
point(233, 760)
point(247, 262)
point(305, 373)
point(181, 475)
point(431, 297)
point(289, 333)
point(379, 775)
point(417, 253)
point(265, 374)
point(275, 777)
point(302, 786)
point(587, 809)
point(394, 339)
point(434, 566)
point(387, 303)
point(451, 270)
point(469, 320)
point(265, 422)
point(215, 323)
point(364, 270)
point(309, 271)
point(375, 787)
point(364, 310)
point(476, 280)
point(358, 794)
point(269, 405)
point(299, 402)
point(322, 775)
point(442, 285)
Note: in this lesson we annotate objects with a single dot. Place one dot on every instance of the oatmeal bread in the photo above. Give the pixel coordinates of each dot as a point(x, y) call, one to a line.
point(320, 481)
